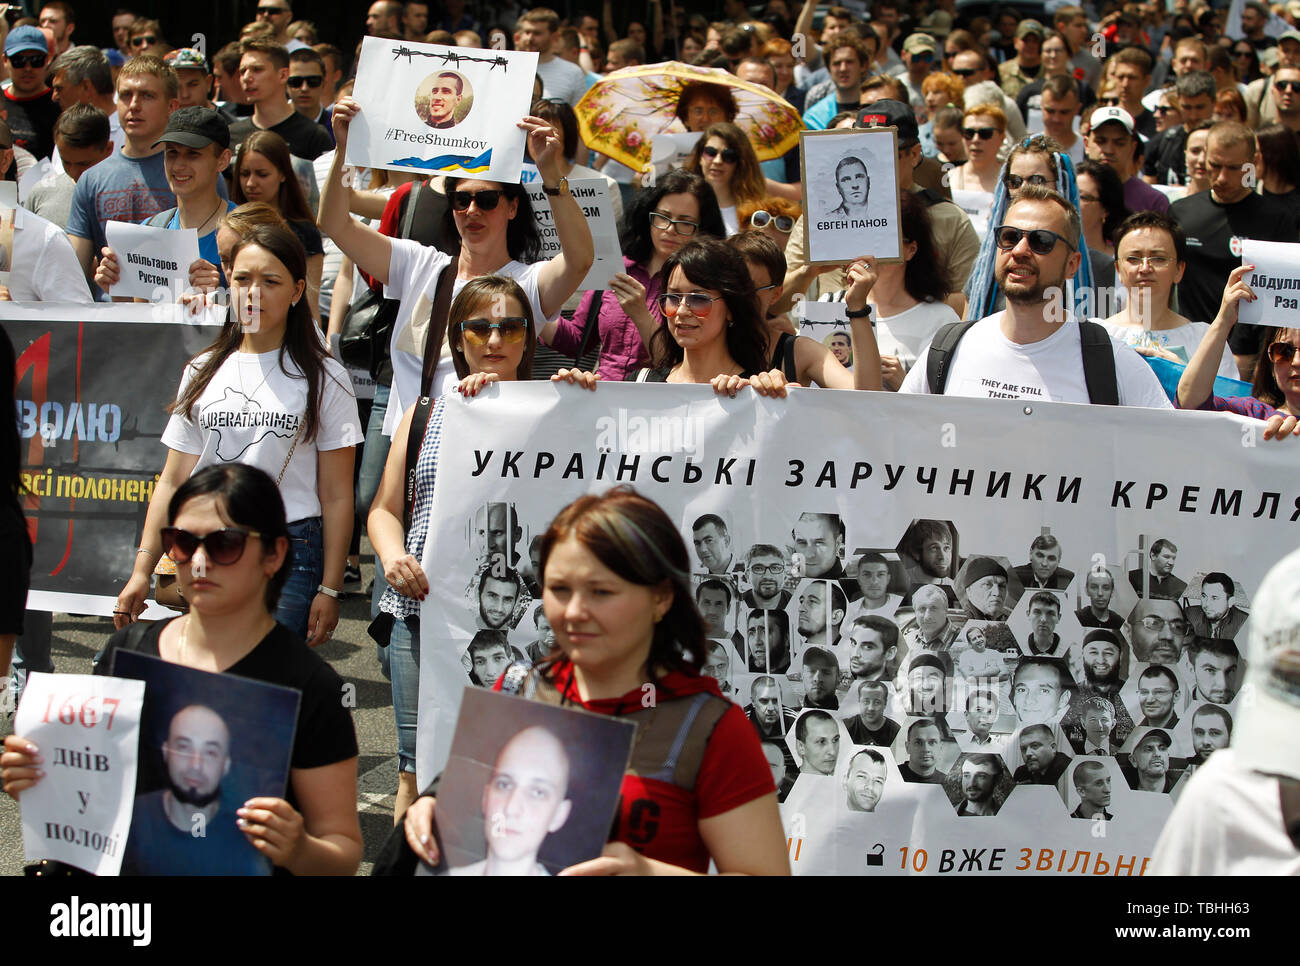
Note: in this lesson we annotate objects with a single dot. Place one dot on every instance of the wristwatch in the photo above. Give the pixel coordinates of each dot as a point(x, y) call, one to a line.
point(552, 192)
point(322, 589)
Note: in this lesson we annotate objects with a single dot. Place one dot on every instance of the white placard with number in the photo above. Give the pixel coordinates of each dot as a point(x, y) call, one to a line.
point(87, 729)
point(1276, 281)
point(592, 195)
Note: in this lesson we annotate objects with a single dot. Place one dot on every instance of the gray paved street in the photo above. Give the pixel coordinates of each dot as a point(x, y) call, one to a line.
point(352, 654)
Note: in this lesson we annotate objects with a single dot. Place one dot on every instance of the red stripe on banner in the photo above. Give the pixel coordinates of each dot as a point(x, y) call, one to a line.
point(76, 445)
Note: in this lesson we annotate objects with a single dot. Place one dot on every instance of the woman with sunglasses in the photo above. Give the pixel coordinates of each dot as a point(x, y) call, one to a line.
point(267, 393)
point(1275, 393)
point(1246, 58)
point(264, 172)
point(617, 592)
point(984, 128)
point(726, 159)
point(492, 339)
point(498, 236)
point(1167, 111)
point(227, 534)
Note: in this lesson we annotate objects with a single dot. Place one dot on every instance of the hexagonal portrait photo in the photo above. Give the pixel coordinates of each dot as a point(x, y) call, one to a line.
point(930, 554)
point(977, 784)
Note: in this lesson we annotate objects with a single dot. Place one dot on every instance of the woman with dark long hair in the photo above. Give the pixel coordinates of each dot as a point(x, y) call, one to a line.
point(1279, 153)
point(15, 545)
point(616, 589)
point(1102, 209)
point(266, 393)
point(726, 159)
point(227, 534)
point(678, 209)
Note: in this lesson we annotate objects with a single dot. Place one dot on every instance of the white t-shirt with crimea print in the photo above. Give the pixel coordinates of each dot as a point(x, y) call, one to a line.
point(987, 364)
point(251, 412)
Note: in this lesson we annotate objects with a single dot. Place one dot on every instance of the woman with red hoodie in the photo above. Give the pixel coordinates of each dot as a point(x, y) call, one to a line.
point(629, 642)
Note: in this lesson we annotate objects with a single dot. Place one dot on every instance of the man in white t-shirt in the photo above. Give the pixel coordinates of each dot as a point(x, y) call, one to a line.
point(1033, 350)
point(560, 78)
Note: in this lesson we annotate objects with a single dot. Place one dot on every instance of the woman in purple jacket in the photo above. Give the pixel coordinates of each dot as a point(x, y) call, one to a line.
point(680, 208)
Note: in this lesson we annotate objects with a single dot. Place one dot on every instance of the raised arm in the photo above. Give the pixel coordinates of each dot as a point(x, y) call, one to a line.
point(862, 337)
point(368, 249)
point(563, 274)
point(804, 24)
point(1197, 382)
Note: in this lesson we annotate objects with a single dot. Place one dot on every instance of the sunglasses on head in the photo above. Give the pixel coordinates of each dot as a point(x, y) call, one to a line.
point(1015, 182)
point(983, 133)
point(697, 302)
point(761, 219)
point(729, 155)
point(1281, 352)
point(222, 547)
point(311, 80)
point(147, 40)
point(486, 200)
point(478, 331)
point(1041, 241)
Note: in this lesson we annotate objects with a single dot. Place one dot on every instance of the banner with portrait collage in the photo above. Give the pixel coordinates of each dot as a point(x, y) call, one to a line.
point(974, 635)
point(93, 387)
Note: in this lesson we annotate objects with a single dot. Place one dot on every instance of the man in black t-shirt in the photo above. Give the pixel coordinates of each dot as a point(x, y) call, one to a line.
point(1215, 221)
point(28, 103)
point(264, 75)
point(1165, 159)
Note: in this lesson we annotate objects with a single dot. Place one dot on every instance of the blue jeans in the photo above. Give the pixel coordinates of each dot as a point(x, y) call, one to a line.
point(374, 453)
point(306, 572)
point(32, 652)
point(404, 661)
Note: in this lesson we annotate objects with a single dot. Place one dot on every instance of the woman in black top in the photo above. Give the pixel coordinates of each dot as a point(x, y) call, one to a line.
point(15, 547)
point(227, 533)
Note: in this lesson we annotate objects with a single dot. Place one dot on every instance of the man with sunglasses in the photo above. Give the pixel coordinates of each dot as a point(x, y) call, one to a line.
point(1035, 349)
point(306, 84)
point(919, 54)
point(1286, 96)
point(1261, 95)
point(264, 76)
point(28, 103)
point(279, 14)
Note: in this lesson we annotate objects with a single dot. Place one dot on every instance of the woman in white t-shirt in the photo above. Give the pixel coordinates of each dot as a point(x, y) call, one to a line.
point(266, 393)
point(726, 159)
point(1150, 257)
point(498, 235)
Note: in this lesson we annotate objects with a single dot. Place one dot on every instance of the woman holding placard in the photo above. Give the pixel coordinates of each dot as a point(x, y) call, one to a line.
point(227, 533)
point(266, 393)
point(498, 236)
point(617, 591)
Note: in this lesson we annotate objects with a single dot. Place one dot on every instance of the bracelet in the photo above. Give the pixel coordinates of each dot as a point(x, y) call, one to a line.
point(322, 589)
point(863, 313)
point(144, 550)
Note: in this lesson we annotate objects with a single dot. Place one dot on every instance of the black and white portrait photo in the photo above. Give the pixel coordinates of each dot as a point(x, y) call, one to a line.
point(851, 201)
point(978, 784)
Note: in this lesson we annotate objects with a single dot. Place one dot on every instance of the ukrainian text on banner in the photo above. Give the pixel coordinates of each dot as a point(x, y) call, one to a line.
point(974, 635)
point(93, 386)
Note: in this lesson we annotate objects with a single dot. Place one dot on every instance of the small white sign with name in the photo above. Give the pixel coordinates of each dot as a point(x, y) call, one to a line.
point(1276, 282)
point(152, 258)
point(592, 195)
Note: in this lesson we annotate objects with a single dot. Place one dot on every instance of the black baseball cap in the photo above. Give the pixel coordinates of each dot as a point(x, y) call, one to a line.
point(196, 127)
point(891, 113)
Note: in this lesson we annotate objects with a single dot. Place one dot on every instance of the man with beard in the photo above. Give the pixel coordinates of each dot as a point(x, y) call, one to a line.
point(871, 727)
point(1044, 765)
point(820, 674)
point(872, 646)
point(873, 583)
point(1211, 731)
point(1044, 568)
point(1092, 782)
point(865, 781)
point(498, 596)
point(1157, 695)
point(924, 739)
point(770, 716)
point(186, 828)
point(821, 613)
point(817, 740)
point(979, 780)
point(1215, 665)
point(1101, 654)
point(930, 629)
point(712, 543)
point(1148, 769)
point(1044, 615)
point(1157, 629)
point(768, 636)
point(1161, 581)
point(1035, 350)
point(926, 549)
point(1100, 587)
point(928, 685)
point(1216, 615)
point(766, 567)
point(986, 589)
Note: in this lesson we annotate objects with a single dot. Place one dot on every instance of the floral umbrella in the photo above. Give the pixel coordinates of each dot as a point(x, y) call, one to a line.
point(621, 114)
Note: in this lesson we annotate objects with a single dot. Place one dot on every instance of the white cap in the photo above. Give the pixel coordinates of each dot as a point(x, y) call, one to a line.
point(1267, 735)
point(1103, 114)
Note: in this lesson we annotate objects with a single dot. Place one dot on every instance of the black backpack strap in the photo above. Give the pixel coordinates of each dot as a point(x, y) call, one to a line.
point(942, 348)
point(783, 357)
point(590, 325)
point(1098, 364)
point(419, 423)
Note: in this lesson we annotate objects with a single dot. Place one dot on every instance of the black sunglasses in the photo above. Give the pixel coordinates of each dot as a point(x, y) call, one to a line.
point(223, 547)
point(729, 155)
point(1287, 85)
point(22, 61)
point(1281, 352)
point(486, 200)
point(1041, 241)
point(311, 80)
point(1015, 182)
point(272, 11)
point(964, 72)
point(983, 133)
point(147, 40)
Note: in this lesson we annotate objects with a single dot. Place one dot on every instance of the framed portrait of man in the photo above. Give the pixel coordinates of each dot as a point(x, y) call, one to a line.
point(850, 195)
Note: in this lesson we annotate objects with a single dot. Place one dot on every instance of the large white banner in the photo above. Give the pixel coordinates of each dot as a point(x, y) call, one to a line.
point(975, 635)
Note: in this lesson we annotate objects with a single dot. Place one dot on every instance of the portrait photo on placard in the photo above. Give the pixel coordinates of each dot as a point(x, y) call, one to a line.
point(850, 195)
point(444, 99)
point(530, 788)
point(208, 743)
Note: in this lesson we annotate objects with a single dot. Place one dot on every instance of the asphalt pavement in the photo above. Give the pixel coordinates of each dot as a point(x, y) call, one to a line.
point(352, 654)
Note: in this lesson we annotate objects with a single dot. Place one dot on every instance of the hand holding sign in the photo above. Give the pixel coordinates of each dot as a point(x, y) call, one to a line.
point(1233, 294)
point(1275, 279)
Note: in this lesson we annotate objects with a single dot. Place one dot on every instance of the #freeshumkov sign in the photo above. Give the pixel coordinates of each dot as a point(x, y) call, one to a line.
point(441, 110)
point(967, 646)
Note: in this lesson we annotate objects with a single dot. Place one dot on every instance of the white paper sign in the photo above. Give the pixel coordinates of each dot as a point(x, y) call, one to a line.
point(977, 205)
point(441, 110)
point(1276, 280)
point(87, 729)
point(151, 258)
point(850, 191)
point(37, 173)
point(592, 194)
point(670, 149)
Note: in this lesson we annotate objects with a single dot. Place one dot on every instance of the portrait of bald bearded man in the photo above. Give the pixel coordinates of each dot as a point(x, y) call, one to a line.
point(525, 799)
point(1043, 763)
point(497, 533)
point(817, 742)
point(1148, 767)
point(864, 784)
